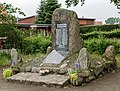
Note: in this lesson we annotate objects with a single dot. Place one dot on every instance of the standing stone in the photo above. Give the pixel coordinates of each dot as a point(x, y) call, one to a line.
point(83, 58)
point(65, 31)
point(14, 57)
point(49, 50)
point(110, 53)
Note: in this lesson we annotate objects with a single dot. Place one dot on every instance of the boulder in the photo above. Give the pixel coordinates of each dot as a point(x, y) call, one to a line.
point(110, 53)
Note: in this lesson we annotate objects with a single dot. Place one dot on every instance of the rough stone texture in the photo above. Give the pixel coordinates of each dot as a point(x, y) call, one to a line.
point(83, 58)
point(63, 65)
point(38, 69)
point(85, 72)
point(50, 79)
point(34, 69)
point(64, 16)
point(63, 71)
point(28, 69)
point(14, 57)
point(110, 53)
point(49, 50)
point(98, 69)
point(54, 58)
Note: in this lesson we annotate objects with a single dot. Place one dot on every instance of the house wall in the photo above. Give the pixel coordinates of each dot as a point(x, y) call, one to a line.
point(98, 23)
point(83, 22)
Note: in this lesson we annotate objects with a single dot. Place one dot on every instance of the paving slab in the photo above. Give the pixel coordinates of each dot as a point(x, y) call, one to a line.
point(51, 79)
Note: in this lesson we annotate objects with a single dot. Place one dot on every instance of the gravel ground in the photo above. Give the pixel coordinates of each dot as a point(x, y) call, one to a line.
point(110, 82)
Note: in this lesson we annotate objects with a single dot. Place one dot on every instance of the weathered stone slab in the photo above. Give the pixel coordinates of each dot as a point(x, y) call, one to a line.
point(54, 58)
point(50, 79)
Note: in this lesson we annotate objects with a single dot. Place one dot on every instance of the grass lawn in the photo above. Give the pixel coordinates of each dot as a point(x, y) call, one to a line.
point(30, 57)
point(5, 58)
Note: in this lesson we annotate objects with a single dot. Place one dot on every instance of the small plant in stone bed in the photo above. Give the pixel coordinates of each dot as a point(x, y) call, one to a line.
point(74, 75)
point(10, 71)
point(15, 69)
point(7, 73)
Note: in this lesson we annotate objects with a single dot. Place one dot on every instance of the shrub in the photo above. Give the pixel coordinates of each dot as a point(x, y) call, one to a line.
point(88, 29)
point(98, 45)
point(35, 44)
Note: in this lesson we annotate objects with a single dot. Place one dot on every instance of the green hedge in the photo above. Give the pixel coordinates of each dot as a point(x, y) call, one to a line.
point(35, 44)
point(98, 45)
point(112, 34)
point(88, 29)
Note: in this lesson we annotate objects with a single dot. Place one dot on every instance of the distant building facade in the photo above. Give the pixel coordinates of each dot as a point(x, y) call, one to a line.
point(98, 23)
point(86, 21)
point(82, 21)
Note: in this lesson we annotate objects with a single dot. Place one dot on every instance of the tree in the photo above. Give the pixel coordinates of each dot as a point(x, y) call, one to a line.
point(7, 27)
point(112, 20)
point(6, 11)
point(45, 10)
point(75, 2)
point(41, 13)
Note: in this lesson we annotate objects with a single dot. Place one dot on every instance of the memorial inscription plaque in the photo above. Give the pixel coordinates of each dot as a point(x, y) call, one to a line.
point(61, 37)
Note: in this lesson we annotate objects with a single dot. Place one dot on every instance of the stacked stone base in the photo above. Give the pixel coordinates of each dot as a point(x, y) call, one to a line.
point(99, 71)
point(91, 69)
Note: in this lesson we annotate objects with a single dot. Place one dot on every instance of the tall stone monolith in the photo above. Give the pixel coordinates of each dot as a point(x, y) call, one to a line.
point(65, 31)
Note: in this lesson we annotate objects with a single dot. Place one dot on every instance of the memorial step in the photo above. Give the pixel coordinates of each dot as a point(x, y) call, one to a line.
point(36, 78)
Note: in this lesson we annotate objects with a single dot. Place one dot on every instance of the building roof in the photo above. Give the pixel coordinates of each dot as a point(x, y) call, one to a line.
point(26, 17)
point(86, 19)
point(34, 25)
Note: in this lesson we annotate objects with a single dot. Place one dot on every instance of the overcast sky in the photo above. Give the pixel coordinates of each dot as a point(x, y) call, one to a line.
point(98, 9)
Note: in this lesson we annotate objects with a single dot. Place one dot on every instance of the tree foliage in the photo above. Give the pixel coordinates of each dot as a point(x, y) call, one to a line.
point(14, 36)
point(45, 10)
point(112, 20)
point(75, 2)
point(6, 11)
point(7, 25)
